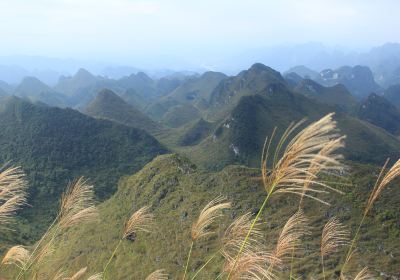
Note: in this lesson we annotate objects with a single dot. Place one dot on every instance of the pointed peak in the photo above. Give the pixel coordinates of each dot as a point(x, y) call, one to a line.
point(143, 76)
point(373, 100)
point(32, 83)
point(31, 79)
point(259, 68)
point(84, 74)
point(108, 94)
point(213, 74)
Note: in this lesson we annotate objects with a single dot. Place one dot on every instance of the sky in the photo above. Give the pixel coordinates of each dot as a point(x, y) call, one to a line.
point(169, 32)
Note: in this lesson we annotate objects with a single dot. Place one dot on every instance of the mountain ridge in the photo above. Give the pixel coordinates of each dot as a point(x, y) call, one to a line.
point(108, 105)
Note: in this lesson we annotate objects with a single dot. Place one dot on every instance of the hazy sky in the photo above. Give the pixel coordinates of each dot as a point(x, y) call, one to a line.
point(127, 30)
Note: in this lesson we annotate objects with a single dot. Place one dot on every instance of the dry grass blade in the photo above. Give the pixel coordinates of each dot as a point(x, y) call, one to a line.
point(59, 275)
point(158, 275)
point(290, 237)
point(12, 193)
point(364, 274)
point(334, 236)
point(43, 255)
point(78, 275)
point(209, 213)
point(16, 255)
point(236, 233)
point(139, 221)
point(382, 183)
point(314, 147)
point(77, 204)
point(250, 265)
point(97, 276)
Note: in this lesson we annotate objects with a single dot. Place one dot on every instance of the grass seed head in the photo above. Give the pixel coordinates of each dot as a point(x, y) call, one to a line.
point(207, 216)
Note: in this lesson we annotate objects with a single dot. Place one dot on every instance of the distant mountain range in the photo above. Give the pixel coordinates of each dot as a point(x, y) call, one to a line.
point(384, 61)
point(241, 110)
point(213, 119)
point(359, 80)
point(177, 100)
point(336, 95)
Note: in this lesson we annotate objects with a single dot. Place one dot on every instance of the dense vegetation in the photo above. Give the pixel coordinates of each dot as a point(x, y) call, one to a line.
point(238, 138)
point(176, 191)
point(108, 105)
point(380, 112)
point(56, 145)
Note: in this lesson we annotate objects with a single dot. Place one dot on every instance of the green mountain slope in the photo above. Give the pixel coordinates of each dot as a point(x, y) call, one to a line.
point(392, 94)
point(137, 100)
point(3, 93)
point(337, 95)
point(293, 79)
point(359, 80)
point(108, 105)
point(303, 71)
point(56, 145)
point(245, 108)
point(193, 133)
point(197, 91)
point(239, 138)
point(35, 90)
point(257, 79)
point(83, 87)
point(70, 86)
point(5, 87)
point(187, 102)
point(380, 112)
point(176, 192)
point(147, 87)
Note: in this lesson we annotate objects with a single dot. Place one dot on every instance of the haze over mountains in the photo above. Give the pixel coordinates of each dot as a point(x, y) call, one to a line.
point(212, 111)
point(383, 60)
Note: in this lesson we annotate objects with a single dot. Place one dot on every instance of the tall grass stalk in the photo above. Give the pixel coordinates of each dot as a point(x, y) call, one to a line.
point(200, 227)
point(290, 169)
point(382, 181)
point(242, 247)
point(205, 264)
point(188, 260)
point(110, 259)
point(138, 221)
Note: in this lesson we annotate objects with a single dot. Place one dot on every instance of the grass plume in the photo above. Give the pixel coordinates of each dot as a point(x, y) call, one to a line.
point(236, 233)
point(158, 275)
point(290, 237)
point(334, 236)
point(13, 193)
point(364, 274)
point(97, 276)
point(79, 274)
point(77, 204)
point(289, 172)
point(210, 212)
point(201, 227)
point(138, 221)
point(16, 255)
point(250, 265)
point(383, 180)
point(314, 147)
